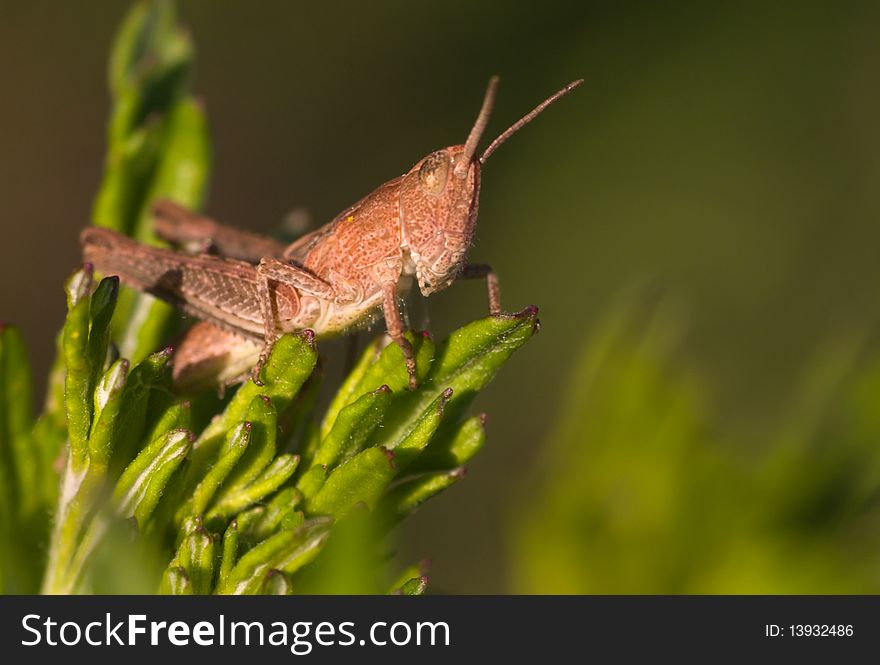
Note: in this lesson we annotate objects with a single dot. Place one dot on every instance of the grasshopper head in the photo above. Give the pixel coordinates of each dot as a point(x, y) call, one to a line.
point(440, 198)
point(439, 210)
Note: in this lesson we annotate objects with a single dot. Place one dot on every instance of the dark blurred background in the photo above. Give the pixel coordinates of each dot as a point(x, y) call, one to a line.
point(727, 153)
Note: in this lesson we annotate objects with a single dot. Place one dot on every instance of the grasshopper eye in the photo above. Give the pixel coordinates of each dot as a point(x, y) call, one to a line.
point(434, 172)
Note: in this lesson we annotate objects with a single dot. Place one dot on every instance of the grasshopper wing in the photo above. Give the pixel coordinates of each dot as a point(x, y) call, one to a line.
point(221, 291)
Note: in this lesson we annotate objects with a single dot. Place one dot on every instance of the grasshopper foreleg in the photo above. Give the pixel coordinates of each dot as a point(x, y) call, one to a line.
point(484, 271)
point(394, 325)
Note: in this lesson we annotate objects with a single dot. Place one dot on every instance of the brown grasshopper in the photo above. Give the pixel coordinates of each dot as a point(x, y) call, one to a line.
point(248, 287)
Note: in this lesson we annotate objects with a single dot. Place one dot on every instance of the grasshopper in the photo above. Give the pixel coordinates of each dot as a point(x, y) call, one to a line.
point(247, 289)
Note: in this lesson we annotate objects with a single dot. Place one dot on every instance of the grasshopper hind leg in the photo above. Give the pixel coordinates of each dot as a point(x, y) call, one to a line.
point(208, 356)
point(197, 234)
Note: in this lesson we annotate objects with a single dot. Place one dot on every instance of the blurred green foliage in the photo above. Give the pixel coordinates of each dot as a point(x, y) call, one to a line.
point(642, 491)
point(157, 147)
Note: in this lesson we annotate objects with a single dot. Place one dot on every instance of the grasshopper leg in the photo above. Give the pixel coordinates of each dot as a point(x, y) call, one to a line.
point(264, 293)
point(299, 278)
point(395, 327)
point(202, 235)
point(484, 271)
point(210, 356)
point(282, 272)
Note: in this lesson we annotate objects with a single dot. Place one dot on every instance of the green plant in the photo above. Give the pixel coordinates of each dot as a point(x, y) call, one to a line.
point(253, 493)
point(644, 490)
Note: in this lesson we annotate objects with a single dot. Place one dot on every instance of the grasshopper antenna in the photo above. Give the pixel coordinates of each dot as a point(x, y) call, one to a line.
point(522, 122)
point(473, 139)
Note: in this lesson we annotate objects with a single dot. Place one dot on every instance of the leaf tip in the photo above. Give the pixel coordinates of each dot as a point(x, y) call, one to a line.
point(79, 284)
point(445, 396)
point(309, 336)
point(531, 311)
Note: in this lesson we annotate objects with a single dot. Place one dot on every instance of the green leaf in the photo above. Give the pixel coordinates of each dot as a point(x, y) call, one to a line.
point(229, 554)
point(466, 362)
point(182, 173)
point(276, 583)
point(129, 46)
point(108, 403)
point(406, 497)
point(15, 374)
point(273, 477)
point(422, 430)
point(145, 59)
point(354, 425)
point(452, 447)
point(351, 388)
point(297, 425)
point(177, 415)
point(416, 571)
point(287, 551)
point(75, 345)
point(101, 307)
point(9, 519)
point(389, 368)
point(144, 480)
point(377, 368)
point(290, 363)
point(152, 375)
point(236, 443)
point(277, 513)
point(20, 458)
point(362, 479)
point(175, 582)
point(196, 558)
point(261, 449)
point(50, 430)
point(414, 587)
point(131, 161)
